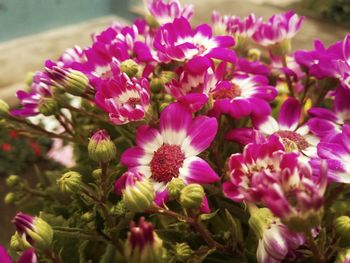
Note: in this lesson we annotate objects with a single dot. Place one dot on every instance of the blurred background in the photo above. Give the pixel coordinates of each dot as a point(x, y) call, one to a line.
point(34, 30)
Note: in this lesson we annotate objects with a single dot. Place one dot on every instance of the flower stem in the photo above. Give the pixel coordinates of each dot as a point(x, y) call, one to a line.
point(289, 81)
point(313, 247)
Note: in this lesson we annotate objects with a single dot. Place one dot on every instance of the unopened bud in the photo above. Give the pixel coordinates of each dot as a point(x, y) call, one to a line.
point(191, 196)
point(48, 106)
point(87, 216)
point(281, 49)
point(174, 187)
point(97, 173)
point(342, 227)
point(34, 230)
point(101, 149)
point(119, 209)
point(129, 67)
point(156, 84)
point(260, 220)
point(9, 198)
point(182, 252)
point(76, 82)
point(70, 182)
point(151, 21)
point(13, 180)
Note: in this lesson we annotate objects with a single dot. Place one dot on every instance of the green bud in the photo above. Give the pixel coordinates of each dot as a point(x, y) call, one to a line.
point(254, 54)
point(129, 67)
point(4, 108)
point(97, 173)
point(87, 216)
point(167, 76)
point(174, 187)
point(191, 196)
point(156, 84)
point(70, 182)
point(140, 196)
point(182, 252)
point(10, 198)
point(281, 49)
point(29, 78)
point(48, 106)
point(260, 220)
point(342, 227)
point(76, 82)
point(101, 149)
point(163, 106)
point(151, 21)
point(18, 243)
point(13, 180)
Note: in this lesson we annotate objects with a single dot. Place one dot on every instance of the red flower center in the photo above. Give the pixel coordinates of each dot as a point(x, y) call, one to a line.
point(166, 162)
point(293, 139)
point(230, 93)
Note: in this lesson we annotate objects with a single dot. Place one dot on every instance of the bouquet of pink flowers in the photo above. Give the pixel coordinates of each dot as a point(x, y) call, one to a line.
point(213, 143)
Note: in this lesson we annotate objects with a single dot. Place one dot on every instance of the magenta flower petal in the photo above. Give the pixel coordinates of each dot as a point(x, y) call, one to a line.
point(289, 115)
point(196, 170)
point(322, 127)
point(195, 101)
point(198, 65)
point(174, 123)
point(4, 257)
point(223, 54)
point(346, 49)
point(28, 256)
point(135, 156)
point(240, 108)
point(161, 197)
point(201, 133)
point(149, 139)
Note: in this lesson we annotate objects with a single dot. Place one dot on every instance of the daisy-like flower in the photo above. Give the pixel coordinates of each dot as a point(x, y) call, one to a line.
point(171, 152)
point(335, 150)
point(294, 138)
point(40, 89)
point(124, 99)
point(177, 41)
point(327, 122)
point(166, 12)
point(280, 27)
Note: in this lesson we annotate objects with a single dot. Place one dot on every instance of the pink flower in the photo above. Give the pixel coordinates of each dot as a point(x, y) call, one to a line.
point(177, 41)
point(61, 153)
point(235, 25)
point(335, 150)
point(166, 12)
point(124, 99)
point(294, 137)
point(171, 152)
point(327, 122)
point(27, 256)
point(279, 27)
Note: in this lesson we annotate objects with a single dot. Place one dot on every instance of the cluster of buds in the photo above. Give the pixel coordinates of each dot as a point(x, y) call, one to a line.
point(143, 245)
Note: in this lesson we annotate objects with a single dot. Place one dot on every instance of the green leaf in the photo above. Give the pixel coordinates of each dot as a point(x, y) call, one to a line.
point(204, 217)
point(109, 255)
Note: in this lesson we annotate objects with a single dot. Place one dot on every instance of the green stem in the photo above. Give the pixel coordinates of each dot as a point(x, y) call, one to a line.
point(289, 81)
point(52, 255)
point(314, 248)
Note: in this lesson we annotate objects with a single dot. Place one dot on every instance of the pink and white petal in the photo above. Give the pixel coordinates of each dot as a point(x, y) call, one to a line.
point(267, 125)
point(224, 41)
point(289, 115)
point(346, 48)
point(322, 127)
point(149, 139)
point(175, 121)
point(240, 108)
point(201, 133)
point(205, 209)
point(323, 114)
point(260, 108)
point(135, 156)
point(341, 102)
point(231, 191)
point(195, 101)
point(142, 169)
point(202, 32)
point(223, 54)
point(198, 65)
point(196, 170)
point(27, 256)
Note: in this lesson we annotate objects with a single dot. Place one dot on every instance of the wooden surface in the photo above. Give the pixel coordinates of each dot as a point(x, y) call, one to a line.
point(23, 55)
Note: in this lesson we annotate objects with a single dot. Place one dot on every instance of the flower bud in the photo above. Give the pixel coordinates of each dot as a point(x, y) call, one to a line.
point(9, 198)
point(29, 78)
point(48, 106)
point(342, 227)
point(191, 196)
point(156, 84)
point(129, 67)
point(281, 49)
point(97, 173)
point(101, 148)
point(19, 244)
point(174, 187)
point(4, 108)
point(182, 252)
point(13, 180)
point(138, 194)
point(70, 182)
point(34, 230)
point(143, 245)
point(151, 21)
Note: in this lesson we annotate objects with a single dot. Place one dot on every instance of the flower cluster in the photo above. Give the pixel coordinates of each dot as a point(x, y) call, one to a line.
point(189, 123)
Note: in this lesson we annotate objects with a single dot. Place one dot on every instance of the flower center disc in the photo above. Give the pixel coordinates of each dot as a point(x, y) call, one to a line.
point(166, 162)
point(231, 93)
point(292, 140)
